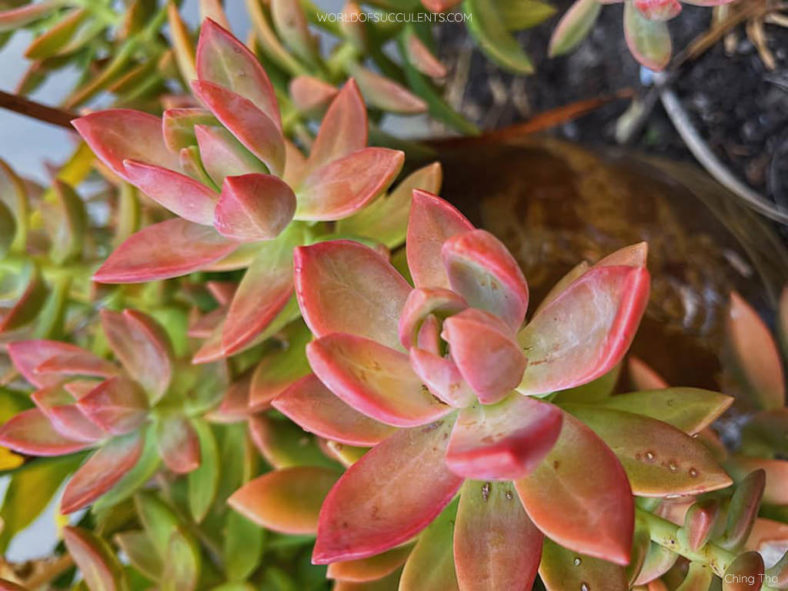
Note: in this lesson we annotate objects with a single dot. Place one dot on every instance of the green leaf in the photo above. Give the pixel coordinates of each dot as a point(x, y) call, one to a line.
point(523, 14)
point(7, 229)
point(487, 26)
point(141, 553)
point(181, 564)
point(574, 26)
point(689, 409)
point(95, 559)
point(284, 444)
point(14, 195)
point(57, 36)
point(159, 521)
point(244, 542)
point(564, 569)
point(430, 566)
point(204, 481)
point(594, 391)
point(31, 489)
point(648, 40)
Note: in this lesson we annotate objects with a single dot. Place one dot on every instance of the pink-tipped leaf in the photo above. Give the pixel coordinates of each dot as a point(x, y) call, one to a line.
point(95, 559)
point(311, 95)
point(420, 304)
point(504, 441)
point(658, 10)
point(393, 492)
point(30, 432)
point(585, 331)
point(648, 40)
point(343, 286)
point(30, 359)
point(254, 207)
point(117, 405)
point(442, 378)
point(178, 444)
point(373, 379)
point(222, 155)
point(432, 221)
point(164, 250)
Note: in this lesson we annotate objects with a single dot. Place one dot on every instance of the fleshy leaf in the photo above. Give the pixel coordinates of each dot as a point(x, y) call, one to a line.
point(430, 566)
point(688, 409)
point(204, 481)
point(371, 568)
point(504, 441)
point(284, 445)
point(311, 95)
point(177, 192)
point(386, 94)
point(563, 569)
point(485, 352)
point(579, 496)
point(643, 376)
point(343, 129)
point(392, 493)
point(143, 347)
point(65, 417)
point(254, 207)
point(776, 490)
point(45, 363)
point(167, 249)
point(179, 126)
point(659, 459)
point(101, 471)
point(421, 303)
point(343, 286)
point(313, 407)
point(117, 405)
point(482, 270)
point(30, 432)
point(574, 26)
point(96, 561)
point(658, 10)
point(251, 126)
point(345, 185)
point(442, 378)
point(422, 58)
point(585, 331)
point(755, 354)
point(262, 294)
point(141, 553)
point(286, 500)
point(487, 26)
point(222, 155)
point(279, 369)
point(178, 444)
point(373, 379)
point(116, 135)
point(223, 60)
point(432, 221)
point(496, 546)
point(648, 40)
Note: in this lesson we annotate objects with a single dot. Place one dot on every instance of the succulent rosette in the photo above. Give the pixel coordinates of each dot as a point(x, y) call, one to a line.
point(458, 395)
point(133, 415)
point(244, 195)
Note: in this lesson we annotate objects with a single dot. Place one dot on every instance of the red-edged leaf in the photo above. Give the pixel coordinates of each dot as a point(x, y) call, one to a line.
point(223, 60)
point(222, 155)
point(96, 561)
point(439, 5)
point(392, 493)
point(643, 376)
point(295, 167)
point(659, 459)
point(373, 379)
point(442, 378)
point(143, 348)
point(574, 26)
point(178, 444)
point(369, 569)
point(756, 355)
point(178, 126)
point(286, 500)
point(116, 135)
point(634, 255)
point(585, 331)
point(432, 221)
point(252, 127)
point(422, 58)
point(311, 95)
point(254, 207)
point(485, 352)
point(343, 286)
point(31, 360)
point(658, 10)
point(505, 441)
point(648, 40)
point(167, 249)
point(279, 369)
point(343, 129)
point(65, 416)
point(579, 496)
point(345, 185)
point(234, 406)
point(313, 407)
point(776, 491)
point(117, 405)
point(182, 195)
point(263, 293)
point(421, 303)
point(102, 471)
point(30, 432)
point(565, 281)
point(481, 270)
point(386, 94)
point(496, 546)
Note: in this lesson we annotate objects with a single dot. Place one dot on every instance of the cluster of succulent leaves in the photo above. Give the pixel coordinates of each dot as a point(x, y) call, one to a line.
point(417, 429)
point(121, 48)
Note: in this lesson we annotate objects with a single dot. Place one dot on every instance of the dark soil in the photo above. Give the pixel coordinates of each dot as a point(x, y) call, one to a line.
point(739, 107)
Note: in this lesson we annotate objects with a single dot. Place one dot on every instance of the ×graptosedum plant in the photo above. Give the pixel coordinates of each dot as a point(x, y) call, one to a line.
point(245, 382)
